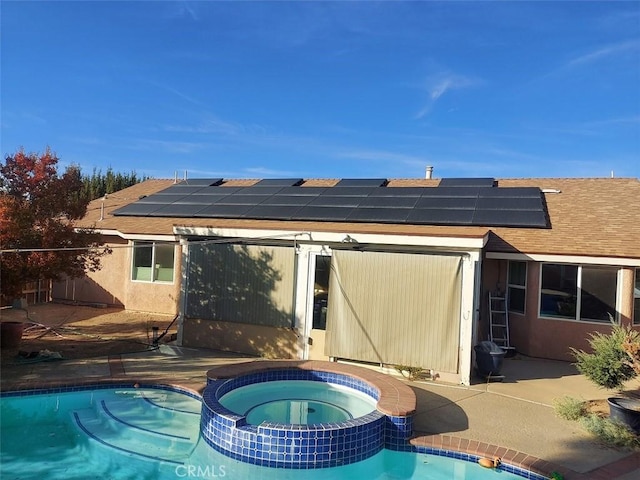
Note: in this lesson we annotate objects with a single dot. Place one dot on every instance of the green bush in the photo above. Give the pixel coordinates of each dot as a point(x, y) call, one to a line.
point(609, 432)
point(609, 366)
point(412, 373)
point(570, 408)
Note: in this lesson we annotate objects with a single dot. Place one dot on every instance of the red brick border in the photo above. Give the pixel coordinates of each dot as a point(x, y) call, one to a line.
point(523, 460)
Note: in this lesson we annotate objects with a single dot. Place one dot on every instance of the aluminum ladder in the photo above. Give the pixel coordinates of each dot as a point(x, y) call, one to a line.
point(499, 320)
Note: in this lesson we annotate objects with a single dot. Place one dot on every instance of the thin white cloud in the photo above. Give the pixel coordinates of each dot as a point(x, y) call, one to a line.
point(631, 120)
point(602, 53)
point(176, 92)
point(211, 125)
point(598, 54)
point(182, 9)
point(437, 85)
point(166, 146)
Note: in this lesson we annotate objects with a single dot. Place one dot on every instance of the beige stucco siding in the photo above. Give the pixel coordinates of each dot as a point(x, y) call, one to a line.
point(112, 284)
point(259, 340)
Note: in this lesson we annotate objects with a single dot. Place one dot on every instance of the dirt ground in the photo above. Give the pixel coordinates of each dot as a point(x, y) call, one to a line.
point(82, 332)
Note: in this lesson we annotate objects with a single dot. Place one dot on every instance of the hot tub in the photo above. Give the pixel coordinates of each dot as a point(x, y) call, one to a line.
point(294, 414)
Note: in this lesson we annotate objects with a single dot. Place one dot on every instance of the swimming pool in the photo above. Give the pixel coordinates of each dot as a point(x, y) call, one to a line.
point(118, 432)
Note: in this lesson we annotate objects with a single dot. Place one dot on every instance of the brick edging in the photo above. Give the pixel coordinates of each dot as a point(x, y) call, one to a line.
point(526, 461)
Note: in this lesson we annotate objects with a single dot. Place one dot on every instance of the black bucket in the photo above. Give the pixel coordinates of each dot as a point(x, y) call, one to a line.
point(489, 357)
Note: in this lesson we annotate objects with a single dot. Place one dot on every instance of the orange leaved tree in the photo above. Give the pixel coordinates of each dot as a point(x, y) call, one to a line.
point(38, 208)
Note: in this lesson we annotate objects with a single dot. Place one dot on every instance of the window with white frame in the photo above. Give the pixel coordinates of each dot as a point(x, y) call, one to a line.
point(636, 299)
point(152, 262)
point(516, 286)
point(578, 292)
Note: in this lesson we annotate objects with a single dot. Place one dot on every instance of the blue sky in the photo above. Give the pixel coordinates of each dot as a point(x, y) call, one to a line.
point(325, 89)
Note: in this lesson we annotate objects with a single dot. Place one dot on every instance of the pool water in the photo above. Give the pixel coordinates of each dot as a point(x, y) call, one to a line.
point(153, 433)
point(298, 402)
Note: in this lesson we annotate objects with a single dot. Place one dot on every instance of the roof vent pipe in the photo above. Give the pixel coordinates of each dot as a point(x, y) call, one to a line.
point(429, 174)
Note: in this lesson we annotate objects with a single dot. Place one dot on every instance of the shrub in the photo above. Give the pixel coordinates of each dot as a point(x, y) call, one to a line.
point(609, 366)
point(412, 373)
point(609, 432)
point(570, 408)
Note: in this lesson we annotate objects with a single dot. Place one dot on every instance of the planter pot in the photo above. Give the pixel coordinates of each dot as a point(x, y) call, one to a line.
point(11, 334)
point(625, 411)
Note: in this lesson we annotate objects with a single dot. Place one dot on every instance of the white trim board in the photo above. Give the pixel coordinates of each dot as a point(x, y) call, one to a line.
point(339, 237)
point(581, 259)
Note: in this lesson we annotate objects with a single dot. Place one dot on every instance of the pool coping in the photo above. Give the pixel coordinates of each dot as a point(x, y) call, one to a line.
point(451, 443)
point(395, 398)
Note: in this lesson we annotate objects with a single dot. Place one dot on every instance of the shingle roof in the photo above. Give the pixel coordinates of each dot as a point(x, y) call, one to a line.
point(590, 216)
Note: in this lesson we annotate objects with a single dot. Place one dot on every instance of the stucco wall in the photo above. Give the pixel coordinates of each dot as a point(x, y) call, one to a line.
point(107, 285)
point(259, 340)
point(112, 284)
point(545, 337)
point(316, 349)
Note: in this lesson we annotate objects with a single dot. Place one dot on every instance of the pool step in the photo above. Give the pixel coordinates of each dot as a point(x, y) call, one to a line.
point(162, 399)
point(172, 401)
point(148, 434)
point(145, 415)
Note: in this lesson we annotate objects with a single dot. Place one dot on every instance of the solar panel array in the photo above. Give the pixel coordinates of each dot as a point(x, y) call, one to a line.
point(468, 202)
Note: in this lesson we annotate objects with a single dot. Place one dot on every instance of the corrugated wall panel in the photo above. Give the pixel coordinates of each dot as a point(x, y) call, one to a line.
point(241, 283)
point(395, 308)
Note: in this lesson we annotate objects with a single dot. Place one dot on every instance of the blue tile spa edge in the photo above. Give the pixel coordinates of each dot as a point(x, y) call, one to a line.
point(297, 446)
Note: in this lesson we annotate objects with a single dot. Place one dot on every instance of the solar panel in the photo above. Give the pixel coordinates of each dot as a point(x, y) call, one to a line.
point(455, 202)
point(272, 212)
point(432, 216)
point(467, 182)
point(180, 189)
point(469, 192)
point(223, 211)
point(509, 203)
point(331, 201)
point(338, 214)
point(348, 191)
point(279, 182)
point(379, 215)
point(362, 182)
point(201, 199)
point(254, 190)
point(294, 200)
point(137, 209)
point(217, 190)
point(243, 199)
point(397, 192)
point(202, 182)
point(388, 202)
point(178, 210)
point(162, 199)
point(510, 218)
point(304, 191)
point(463, 203)
point(533, 192)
